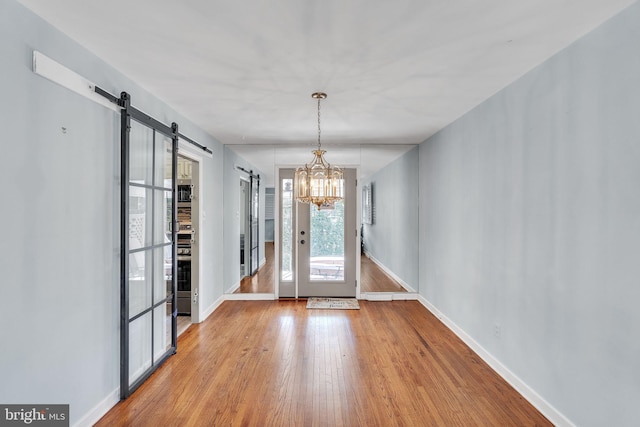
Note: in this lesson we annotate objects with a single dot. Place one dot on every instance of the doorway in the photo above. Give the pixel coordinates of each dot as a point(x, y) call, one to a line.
point(318, 247)
point(188, 233)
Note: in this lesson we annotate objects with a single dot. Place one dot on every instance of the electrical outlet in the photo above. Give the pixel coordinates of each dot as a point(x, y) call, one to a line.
point(496, 330)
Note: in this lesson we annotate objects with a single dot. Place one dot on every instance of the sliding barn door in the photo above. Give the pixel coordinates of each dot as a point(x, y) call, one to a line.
point(148, 244)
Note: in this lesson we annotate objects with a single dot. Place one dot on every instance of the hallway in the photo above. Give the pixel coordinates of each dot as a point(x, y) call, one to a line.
point(276, 363)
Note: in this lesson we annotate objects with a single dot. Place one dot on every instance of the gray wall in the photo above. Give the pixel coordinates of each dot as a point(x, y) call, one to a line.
point(59, 251)
point(393, 237)
point(530, 220)
point(231, 216)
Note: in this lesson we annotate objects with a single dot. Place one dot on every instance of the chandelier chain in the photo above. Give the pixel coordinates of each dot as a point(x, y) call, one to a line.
point(319, 124)
point(319, 182)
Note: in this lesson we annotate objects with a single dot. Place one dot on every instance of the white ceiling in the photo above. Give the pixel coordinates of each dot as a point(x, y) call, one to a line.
point(395, 72)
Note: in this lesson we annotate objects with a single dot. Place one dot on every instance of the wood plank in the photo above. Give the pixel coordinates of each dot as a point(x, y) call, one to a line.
point(275, 363)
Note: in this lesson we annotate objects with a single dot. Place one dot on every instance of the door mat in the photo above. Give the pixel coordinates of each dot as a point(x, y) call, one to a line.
point(333, 303)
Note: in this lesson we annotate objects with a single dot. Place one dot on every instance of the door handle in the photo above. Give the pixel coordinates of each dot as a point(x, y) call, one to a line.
point(302, 242)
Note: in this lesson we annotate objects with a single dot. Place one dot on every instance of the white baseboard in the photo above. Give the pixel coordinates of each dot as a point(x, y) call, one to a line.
point(98, 411)
point(552, 414)
point(389, 272)
point(388, 296)
point(405, 296)
point(249, 297)
point(263, 261)
point(377, 296)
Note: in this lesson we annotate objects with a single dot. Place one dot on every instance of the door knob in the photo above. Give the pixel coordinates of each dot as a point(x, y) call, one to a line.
point(302, 242)
point(302, 232)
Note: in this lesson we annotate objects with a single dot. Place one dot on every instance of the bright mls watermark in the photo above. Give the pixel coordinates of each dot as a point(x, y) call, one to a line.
point(34, 415)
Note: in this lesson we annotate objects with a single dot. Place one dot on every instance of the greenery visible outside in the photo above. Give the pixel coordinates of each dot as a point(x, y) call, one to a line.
point(327, 231)
point(326, 261)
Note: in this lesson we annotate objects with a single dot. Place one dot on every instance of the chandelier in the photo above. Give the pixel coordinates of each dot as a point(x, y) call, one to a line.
point(319, 182)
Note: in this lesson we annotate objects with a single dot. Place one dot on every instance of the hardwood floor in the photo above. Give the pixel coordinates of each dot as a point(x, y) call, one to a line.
point(275, 363)
point(372, 278)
